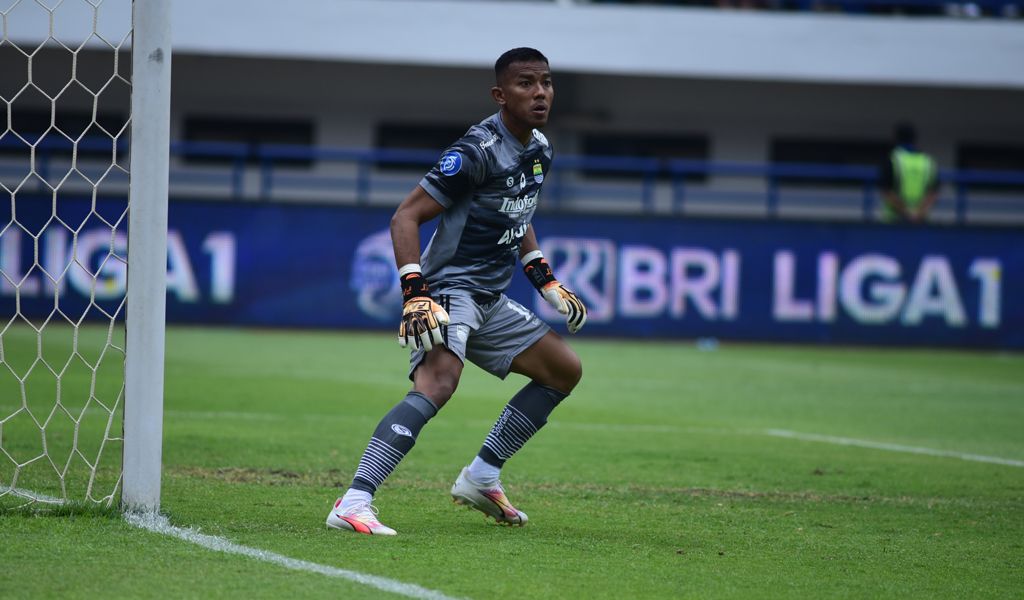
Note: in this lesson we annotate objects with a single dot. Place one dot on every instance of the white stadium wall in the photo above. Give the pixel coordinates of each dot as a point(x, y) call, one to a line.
point(348, 100)
point(622, 40)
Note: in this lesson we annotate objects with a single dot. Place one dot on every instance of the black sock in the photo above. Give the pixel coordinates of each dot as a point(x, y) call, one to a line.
point(523, 416)
point(392, 440)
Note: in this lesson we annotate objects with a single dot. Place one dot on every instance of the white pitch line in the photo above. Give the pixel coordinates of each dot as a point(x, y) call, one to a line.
point(31, 495)
point(842, 441)
point(160, 524)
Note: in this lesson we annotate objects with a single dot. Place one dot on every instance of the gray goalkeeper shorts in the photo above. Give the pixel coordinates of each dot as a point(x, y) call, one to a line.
point(490, 333)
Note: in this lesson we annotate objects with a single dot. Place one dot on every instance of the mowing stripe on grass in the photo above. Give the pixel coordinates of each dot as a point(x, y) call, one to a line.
point(661, 428)
point(842, 441)
point(652, 428)
point(159, 524)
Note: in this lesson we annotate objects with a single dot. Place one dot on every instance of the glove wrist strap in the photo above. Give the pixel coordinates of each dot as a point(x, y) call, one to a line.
point(409, 268)
point(538, 271)
point(414, 286)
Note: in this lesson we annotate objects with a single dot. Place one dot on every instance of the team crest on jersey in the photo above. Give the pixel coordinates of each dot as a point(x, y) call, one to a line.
point(451, 163)
point(538, 171)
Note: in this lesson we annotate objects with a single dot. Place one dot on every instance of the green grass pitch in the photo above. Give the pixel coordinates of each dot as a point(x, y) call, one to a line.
point(658, 478)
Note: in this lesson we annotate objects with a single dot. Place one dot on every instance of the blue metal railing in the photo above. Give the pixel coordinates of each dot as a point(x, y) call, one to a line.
point(648, 172)
point(274, 167)
point(772, 173)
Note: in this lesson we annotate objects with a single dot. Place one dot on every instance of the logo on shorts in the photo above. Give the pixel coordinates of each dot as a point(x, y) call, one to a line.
point(527, 315)
point(451, 163)
point(462, 332)
point(401, 430)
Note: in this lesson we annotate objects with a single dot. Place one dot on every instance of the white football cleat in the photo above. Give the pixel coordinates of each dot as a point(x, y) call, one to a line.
point(361, 518)
point(490, 500)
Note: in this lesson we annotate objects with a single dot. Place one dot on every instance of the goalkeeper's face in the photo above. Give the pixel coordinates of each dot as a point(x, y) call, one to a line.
point(526, 93)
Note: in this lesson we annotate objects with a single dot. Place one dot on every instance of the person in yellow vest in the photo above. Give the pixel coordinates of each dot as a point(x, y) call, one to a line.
point(909, 180)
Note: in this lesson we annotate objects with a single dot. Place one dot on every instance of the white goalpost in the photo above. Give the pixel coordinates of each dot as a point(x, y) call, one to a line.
point(147, 254)
point(84, 140)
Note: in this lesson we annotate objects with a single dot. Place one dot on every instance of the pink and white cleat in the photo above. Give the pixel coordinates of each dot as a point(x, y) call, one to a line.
point(361, 518)
point(490, 500)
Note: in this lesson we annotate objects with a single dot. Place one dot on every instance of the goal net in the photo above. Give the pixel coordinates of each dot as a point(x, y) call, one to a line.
point(68, 166)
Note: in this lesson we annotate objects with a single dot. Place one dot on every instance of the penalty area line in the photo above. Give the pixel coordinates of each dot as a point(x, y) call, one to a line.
point(843, 441)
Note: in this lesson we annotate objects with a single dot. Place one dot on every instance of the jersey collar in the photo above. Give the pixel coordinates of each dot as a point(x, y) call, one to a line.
point(504, 131)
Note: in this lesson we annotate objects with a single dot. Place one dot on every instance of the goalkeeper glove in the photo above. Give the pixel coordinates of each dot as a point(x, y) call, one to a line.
point(557, 295)
point(421, 316)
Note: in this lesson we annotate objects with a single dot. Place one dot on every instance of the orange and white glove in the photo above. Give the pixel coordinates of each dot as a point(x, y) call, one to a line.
point(557, 295)
point(422, 318)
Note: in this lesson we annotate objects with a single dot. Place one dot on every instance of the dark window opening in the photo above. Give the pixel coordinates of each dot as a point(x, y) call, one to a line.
point(34, 127)
point(991, 157)
point(250, 132)
point(406, 136)
point(839, 153)
point(661, 147)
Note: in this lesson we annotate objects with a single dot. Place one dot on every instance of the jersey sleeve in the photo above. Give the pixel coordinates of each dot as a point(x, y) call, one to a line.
point(461, 169)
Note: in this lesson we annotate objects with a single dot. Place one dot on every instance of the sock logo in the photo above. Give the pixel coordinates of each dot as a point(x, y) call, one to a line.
point(401, 430)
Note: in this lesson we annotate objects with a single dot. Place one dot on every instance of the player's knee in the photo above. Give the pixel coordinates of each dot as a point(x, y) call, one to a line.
point(438, 376)
point(446, 387)
point(572, 371)
point(439, 387)
point(565, 374)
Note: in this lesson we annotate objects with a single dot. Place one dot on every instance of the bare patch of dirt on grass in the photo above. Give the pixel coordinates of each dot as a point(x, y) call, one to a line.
point(338, 478)
point(283, 477)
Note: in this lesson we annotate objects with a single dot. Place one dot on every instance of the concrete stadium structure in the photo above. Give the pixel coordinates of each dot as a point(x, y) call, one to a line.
point(737, 82)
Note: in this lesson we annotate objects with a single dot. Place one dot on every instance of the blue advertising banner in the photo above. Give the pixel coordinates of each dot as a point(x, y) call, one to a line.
point(287, 265)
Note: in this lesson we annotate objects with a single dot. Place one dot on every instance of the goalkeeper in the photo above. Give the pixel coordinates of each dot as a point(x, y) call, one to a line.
point(485, 189)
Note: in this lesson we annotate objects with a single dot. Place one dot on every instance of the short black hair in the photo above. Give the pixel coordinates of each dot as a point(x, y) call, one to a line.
point(905, 133)
point(516, 55)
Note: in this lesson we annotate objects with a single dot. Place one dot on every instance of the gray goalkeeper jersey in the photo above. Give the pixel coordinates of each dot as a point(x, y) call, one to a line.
point(488, 183)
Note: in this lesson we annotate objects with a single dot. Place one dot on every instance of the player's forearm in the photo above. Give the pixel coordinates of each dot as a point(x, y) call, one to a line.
point(405, 238)
point(529, 242)
point(418, 208)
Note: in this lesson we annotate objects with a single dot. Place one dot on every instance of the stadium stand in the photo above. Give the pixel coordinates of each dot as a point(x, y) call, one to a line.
point(662, 107)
